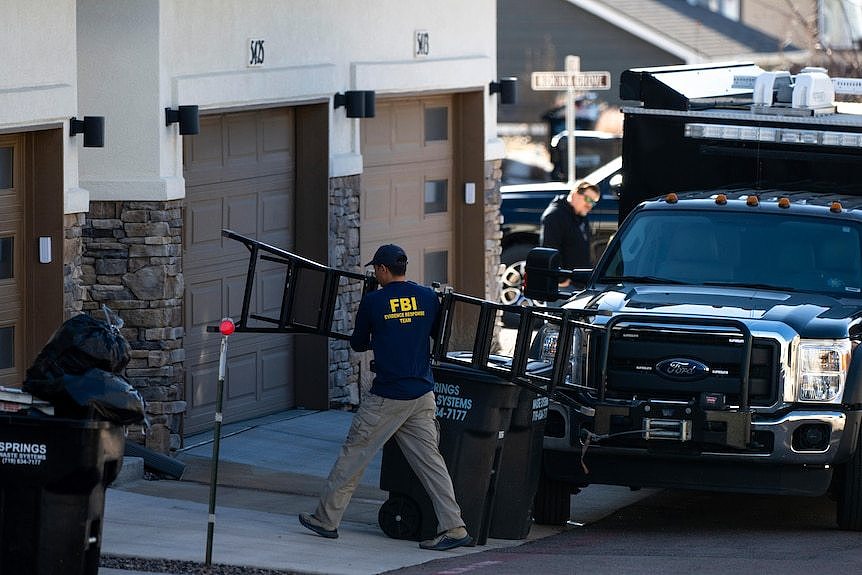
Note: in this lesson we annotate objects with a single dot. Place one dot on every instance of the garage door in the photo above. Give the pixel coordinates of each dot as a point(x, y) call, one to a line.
point(407, 184)
point(240, 175)
point(11, 261)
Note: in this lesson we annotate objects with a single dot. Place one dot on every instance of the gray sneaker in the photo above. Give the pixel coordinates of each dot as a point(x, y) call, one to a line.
point(309, 521)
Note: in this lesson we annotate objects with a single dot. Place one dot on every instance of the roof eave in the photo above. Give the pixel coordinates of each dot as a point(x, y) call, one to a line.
point(645, 33)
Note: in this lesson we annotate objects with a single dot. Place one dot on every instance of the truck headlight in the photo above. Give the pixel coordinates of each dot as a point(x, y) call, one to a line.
point(822, 370)
point(549, 335)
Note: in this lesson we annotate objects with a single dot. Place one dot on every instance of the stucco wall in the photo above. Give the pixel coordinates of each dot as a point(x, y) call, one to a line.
point(38, 77)
point(166, 53)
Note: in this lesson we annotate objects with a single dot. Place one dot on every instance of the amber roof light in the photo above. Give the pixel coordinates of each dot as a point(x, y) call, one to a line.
point(752, 201)
point(835, 207)
point(783, 202)
point(671, 198)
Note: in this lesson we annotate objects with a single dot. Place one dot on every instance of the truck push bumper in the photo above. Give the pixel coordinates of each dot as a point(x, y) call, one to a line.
point(645, 469)
point(797, 438)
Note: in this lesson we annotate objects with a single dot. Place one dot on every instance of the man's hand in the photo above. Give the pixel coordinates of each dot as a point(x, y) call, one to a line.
point(371, 283)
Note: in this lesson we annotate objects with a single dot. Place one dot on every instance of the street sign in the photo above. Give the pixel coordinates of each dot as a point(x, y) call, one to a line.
point(571, 80)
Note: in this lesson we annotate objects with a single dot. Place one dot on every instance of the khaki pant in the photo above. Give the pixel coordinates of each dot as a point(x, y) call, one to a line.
point(413, 424)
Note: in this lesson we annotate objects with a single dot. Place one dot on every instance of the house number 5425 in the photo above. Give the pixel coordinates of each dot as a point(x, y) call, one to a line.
point(255, 53)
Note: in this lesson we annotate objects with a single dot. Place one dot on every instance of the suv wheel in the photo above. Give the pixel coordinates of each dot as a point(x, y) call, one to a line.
point(512, 279)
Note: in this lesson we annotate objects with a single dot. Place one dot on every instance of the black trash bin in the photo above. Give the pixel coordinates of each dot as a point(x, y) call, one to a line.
point(53, 475)
point(518, 477)
point(473, 409)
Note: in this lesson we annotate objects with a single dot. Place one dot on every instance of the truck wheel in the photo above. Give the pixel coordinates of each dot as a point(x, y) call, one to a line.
point(850, 491)
point(552, 504)
point(400, 517)
point(511, 280)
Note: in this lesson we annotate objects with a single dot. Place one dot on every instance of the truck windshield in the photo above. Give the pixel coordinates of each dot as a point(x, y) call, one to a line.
point(754, 249)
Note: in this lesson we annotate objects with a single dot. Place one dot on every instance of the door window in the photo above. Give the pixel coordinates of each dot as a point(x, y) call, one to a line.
point(436, 124)
point(436, 192)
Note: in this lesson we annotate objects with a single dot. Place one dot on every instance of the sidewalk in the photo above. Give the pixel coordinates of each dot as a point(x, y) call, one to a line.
point(271, 469)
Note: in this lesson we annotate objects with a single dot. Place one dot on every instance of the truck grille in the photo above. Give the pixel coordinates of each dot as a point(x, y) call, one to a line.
point(637, 354)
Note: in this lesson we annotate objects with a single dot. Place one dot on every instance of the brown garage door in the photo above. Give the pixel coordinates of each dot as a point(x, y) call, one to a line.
point(240, 175)
point(11, 261)
point(407, 184)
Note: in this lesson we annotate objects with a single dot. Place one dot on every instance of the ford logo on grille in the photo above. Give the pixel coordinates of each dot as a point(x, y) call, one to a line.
point(681, 369)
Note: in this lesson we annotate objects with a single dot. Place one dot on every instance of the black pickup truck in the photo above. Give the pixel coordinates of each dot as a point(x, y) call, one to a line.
point(715, 344)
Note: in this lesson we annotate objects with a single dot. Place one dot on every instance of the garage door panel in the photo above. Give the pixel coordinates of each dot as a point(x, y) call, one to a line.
point(277, 367)
point(254, 191)
point(241, 378)
point(408, 188)
point(271, 284)
point(401, 131)
point(276, 210)
point(202, 379)
point(377, 135)
point(204, 301)
point(242, 144)
point(241, 214)
point(203, 155)
point(205, 219)
point(277, 142)
point(376, 200)
point(235, 291)
point(408, 128)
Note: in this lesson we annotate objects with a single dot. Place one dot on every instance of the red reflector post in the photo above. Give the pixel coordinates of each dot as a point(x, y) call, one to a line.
point(226, 327)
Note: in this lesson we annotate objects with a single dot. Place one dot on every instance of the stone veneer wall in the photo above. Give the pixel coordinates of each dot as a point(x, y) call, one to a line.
point(130, 257)
point(493, 233)
point(344, 254)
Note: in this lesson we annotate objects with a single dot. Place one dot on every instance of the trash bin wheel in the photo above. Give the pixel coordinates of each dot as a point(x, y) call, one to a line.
point(552, 504)
point(400, 517)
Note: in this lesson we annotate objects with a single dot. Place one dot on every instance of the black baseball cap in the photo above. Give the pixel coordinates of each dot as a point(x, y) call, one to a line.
point(388, 255)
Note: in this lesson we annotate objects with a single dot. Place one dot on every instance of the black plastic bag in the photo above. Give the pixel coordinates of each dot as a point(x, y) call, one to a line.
point(95, 394)
point(80, 344)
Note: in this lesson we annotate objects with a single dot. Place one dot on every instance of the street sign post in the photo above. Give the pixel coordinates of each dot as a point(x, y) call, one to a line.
point(572, 80)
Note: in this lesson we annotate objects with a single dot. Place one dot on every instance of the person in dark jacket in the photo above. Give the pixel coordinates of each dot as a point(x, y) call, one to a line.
point(565, 227)
point(396, 322)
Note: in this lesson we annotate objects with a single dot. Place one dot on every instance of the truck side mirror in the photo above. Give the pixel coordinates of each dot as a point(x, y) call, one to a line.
point(542, 274)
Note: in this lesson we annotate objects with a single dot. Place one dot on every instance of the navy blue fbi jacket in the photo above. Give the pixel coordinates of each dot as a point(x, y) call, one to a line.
point(397, 321)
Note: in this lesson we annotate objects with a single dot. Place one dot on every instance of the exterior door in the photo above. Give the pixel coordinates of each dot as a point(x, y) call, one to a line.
point(12, 265)
point(240, 175)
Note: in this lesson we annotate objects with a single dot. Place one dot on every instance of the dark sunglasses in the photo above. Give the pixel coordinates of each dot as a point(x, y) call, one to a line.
point(590, 201)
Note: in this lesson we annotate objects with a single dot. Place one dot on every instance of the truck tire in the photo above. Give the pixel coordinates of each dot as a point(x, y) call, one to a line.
point(552, 504)
point(850, 492)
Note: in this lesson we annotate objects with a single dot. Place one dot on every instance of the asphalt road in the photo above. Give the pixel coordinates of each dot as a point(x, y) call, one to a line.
point(682, 532)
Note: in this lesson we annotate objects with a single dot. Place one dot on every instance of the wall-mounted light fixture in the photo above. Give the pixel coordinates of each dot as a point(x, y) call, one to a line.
point(188, 118)
point(358, 103)
point(93, 128)
point(507, 88)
